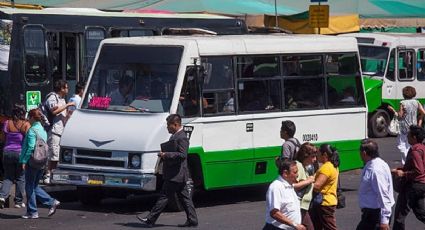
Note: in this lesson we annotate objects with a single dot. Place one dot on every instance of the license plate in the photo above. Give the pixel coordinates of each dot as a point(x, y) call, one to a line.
point(96, 180)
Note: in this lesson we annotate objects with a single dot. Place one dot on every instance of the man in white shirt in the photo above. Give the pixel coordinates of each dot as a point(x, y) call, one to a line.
point(76, 98)
point(376, 189)
point(282, 203)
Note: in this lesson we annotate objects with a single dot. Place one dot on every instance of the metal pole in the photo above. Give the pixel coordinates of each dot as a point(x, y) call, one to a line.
point(275, 13)
point(318, 20)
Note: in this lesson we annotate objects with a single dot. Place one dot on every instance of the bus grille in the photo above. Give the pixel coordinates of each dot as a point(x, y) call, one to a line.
point(100, 162)
point(91, 153)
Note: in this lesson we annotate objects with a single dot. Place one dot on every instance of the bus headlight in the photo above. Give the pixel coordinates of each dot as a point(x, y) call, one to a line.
point(134, 161)
point(67, 156)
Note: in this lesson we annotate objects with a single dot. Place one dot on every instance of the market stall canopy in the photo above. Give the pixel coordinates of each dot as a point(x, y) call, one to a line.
point(230, 7)
point(299, 23)
point(371, 13)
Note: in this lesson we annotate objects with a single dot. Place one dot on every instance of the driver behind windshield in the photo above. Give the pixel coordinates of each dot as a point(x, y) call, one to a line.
point(123, 94)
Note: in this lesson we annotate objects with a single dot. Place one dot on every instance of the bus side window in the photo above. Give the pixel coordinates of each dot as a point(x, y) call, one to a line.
point(405, 66)
point(35, 54)
point(259, 84)
point(189, 95)
point(218, 87)
point(303, 82)
point(391, 67)
point(421, 65)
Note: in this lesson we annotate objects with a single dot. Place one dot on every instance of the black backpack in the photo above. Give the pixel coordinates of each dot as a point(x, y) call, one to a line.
point(47, 114)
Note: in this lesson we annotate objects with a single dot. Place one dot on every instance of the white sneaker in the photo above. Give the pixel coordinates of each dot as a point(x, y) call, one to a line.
point(46, 179)
point(30, 216)
point(21, 205)
point(52, 209)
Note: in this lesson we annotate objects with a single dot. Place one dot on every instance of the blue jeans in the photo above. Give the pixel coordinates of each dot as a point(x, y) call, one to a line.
point(12, 172)
point(35, 192)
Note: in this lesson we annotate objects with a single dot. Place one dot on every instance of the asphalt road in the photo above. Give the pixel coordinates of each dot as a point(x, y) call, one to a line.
point(241, 208)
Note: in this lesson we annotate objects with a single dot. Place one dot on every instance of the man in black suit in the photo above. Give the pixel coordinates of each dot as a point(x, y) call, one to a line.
point(175, 175)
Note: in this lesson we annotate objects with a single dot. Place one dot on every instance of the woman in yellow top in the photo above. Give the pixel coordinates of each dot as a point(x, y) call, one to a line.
point(326, 181)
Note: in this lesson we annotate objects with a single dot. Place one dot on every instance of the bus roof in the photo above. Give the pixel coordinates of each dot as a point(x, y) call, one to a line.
point(390, 39)
point(100, 13)
point(250, 44)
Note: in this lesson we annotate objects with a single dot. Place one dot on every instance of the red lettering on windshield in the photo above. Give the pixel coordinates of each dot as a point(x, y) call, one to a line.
point(99, 103)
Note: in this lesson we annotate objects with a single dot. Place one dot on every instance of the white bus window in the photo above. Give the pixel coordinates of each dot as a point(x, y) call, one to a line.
point(391, 67)
point(258, 67)
point(259, 95)
point(421, 65)
point(35, 54)
point(303, 82)
point(189, 95)
point(218, 88)
point(373, 59)
point(259, 85)
point(405, 65)
point(343, 80)
point(302, 65)
point(304, 93)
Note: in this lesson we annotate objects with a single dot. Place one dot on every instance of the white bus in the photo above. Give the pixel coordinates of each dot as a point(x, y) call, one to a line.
point(385, 78)
point(233, 92)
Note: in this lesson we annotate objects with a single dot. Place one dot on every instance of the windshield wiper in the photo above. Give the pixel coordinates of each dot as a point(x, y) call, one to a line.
point(143, 110)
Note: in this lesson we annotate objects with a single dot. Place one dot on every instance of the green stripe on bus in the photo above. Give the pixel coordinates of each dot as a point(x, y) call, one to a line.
point(230, 168)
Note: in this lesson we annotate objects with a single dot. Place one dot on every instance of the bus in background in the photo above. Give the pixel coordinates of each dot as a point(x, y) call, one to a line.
point(39, 46)
point(233, 93)
point(385, 78)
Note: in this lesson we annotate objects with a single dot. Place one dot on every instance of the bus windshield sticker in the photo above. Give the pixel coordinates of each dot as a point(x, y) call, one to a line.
point(99, 103)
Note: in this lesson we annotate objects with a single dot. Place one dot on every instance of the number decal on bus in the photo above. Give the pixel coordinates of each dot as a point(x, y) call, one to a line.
point(310, 137)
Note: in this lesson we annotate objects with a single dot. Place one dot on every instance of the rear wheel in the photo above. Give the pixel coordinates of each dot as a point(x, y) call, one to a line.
point(89, 196)
point(378, 123)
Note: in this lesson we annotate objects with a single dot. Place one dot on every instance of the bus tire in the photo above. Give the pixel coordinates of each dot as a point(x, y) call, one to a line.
point(378, 123)
point(89, 196)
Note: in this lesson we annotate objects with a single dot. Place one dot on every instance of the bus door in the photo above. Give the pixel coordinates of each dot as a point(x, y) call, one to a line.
point(389, 88)
point(35, 67)
point(65, 57)
point(405, 69)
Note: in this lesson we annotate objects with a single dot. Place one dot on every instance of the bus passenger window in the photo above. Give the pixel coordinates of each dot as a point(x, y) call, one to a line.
point(35, 54)
point(218, 88)
point(391, 67)
point(189, 95)
point(421, 65)
point(405, 65)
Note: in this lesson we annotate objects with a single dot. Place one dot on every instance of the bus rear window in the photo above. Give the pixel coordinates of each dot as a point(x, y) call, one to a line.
point(133, 78)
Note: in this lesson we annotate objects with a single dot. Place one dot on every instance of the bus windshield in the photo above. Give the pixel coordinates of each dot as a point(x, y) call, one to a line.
point(133, 78)
point(373, 60)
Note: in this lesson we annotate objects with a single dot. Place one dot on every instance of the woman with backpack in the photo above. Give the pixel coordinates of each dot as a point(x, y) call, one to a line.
point(14, 130)
point(35, 138)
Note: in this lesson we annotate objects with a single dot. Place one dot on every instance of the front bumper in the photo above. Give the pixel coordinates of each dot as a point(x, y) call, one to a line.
point(145, 182)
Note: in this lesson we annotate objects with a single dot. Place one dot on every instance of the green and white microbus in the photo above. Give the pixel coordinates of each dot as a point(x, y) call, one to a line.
point(232, 91)
point(384, 78)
